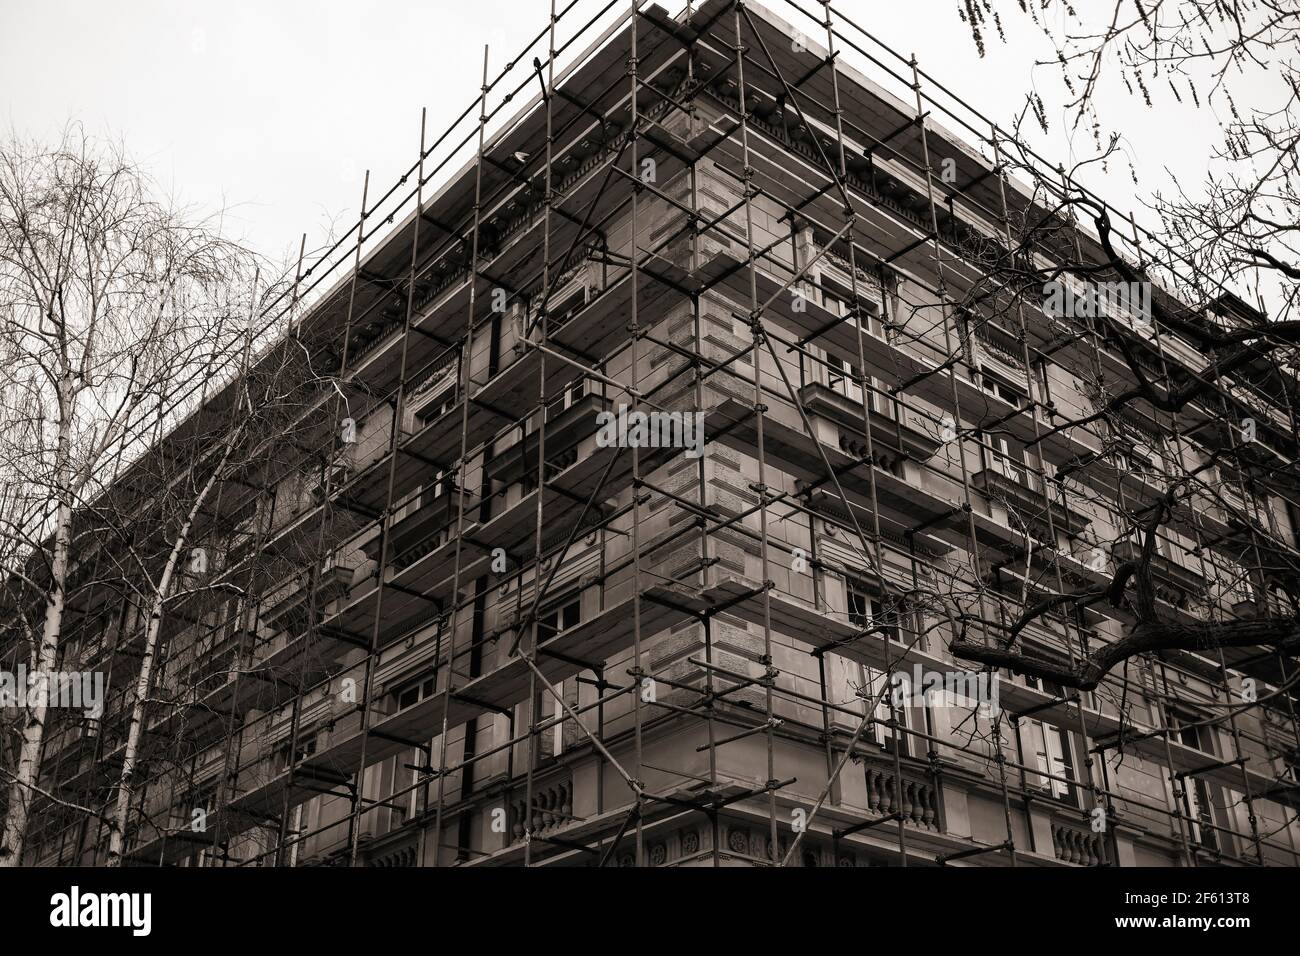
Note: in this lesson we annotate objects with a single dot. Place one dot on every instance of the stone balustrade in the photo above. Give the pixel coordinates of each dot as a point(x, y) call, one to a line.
point(551, 809)
point(920, 799)
point(1078, 846)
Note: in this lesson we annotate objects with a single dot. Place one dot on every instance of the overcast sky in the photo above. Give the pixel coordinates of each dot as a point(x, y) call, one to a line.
point(272, 110)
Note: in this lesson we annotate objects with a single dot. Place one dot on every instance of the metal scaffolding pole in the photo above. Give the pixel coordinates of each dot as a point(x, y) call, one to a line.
point(756, 324)
point(465, 385)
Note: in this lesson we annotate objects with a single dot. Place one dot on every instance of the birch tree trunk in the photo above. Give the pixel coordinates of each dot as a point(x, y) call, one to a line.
point(46, 653)
point(135, 728)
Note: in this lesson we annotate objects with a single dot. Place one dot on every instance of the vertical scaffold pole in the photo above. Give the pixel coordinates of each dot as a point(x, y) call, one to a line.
point(706, 626)
point(458, 476)
point(635, 328)
point(864, 388)
point(756, 325)
point(386, 522)
point(543, 331)
point(296, 709)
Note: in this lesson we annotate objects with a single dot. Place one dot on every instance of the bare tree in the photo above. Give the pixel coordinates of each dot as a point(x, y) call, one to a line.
point(1221, 56)
point(114, 304)
point(1238, 231)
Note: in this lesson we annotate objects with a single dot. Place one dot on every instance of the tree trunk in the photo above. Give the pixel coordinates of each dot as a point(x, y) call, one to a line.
point(43, 661)
point(130, 757)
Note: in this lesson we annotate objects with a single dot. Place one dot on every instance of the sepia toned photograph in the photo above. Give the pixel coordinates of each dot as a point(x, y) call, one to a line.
point(574, 435)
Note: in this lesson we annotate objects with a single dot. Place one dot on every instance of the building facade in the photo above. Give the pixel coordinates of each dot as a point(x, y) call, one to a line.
point(648, 448)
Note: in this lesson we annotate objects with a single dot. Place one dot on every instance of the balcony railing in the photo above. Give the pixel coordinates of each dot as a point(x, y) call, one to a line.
point(1082, 847)
point(1024, 490)
point(920, 798)
point(550, 810)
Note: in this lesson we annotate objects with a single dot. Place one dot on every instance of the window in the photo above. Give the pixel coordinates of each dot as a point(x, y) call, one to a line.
point(438, 486)
point(558, 404)
point(436, 392)
point(566, 309)
point(1132, 460)
point(860, 608)
point(881, 401)
point(835, 302)
point(910, 716)
point(559, 619)
point(203, 798)
point(1290, 767)
point(1044, 379)
point(1000, 388)
point(244, 532)
point(1197, 805)
point(1004, 457)
point(965, 326)
point(836, 298)
point(415, 692)
point(844, 377)
point(1293, 519)
point(398, 808)
point(1046, 686)
point(1049, 748)
point(1189, 731)
point(568, 398)
point(306, 746)
point(867, 611)
point(1197, 802)
point(1138, 536)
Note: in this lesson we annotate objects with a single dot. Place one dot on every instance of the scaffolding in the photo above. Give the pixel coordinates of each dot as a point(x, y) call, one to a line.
point(479, 635)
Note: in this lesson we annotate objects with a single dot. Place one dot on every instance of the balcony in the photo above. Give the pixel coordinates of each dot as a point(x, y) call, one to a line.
point(565, 428)
point(1024, 492)
point(1078, 845)
point(551, 809)
point(868, 285)
point(1173, 583)
point(424, 526)
point(210, 671)
point(999, 345)
point(435, 390)
point(893, 207)
point(919, 368)
point(906, 501)
point(330, 744)
point(333, 477)
point(920, 796)
point(591, 332)
point(368, 338)
point(891, 440)
point(287, 607)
